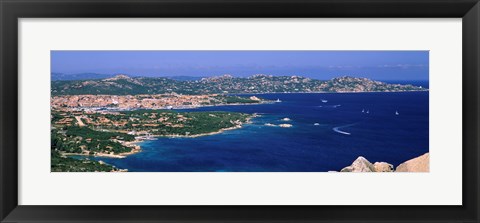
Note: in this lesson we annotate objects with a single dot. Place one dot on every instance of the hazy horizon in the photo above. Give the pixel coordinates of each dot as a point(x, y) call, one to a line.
point(246, 76)
point(322, 65)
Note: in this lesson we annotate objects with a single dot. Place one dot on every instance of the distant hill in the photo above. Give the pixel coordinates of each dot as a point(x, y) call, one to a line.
point(123, 85)
point(96, 76)
point(81, 76)
point(184, 78)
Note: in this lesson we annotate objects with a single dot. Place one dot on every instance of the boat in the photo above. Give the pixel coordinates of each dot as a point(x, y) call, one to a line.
point(269, 124)
point(286, 119)
point(368, 111)
point(396, 113)
point(324, 101)
point(363, 110)
point(316, 123)
point(278, 100)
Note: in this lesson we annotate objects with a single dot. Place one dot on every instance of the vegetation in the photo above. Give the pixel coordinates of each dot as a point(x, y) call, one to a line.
point(349, 84)
point(108, 133)
point(66, 164)
point(83, 140)
point(124, 85)
point(74, 131)
point(167, 122)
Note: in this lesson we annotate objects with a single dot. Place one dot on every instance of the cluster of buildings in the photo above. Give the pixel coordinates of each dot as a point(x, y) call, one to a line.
point(158, 101)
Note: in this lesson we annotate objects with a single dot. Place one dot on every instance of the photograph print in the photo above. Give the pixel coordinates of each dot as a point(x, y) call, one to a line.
point(239, 111)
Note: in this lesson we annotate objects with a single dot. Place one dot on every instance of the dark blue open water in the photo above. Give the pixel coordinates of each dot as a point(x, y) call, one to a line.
point(380, 135)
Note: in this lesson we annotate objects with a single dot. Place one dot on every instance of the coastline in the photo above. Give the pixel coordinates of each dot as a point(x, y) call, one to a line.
point(264, 101)
point(201, 134)
point(248, 121)
point(232, 104)
point(160, 150)
point(137, 148)
point(174, 108)
point(329, 92)
point(119, 155)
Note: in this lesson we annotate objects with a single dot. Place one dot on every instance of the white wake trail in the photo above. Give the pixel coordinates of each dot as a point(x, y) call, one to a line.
point(337, 129)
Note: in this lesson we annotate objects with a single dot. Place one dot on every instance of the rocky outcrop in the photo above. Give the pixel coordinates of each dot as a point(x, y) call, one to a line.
point(383, 167)
point(359, 165)
point(419, 164)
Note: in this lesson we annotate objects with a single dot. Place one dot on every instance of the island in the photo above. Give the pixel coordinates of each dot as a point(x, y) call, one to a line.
point(225, 84)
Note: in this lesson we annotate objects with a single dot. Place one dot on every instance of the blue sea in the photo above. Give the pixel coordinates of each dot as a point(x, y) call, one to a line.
point(342, 134)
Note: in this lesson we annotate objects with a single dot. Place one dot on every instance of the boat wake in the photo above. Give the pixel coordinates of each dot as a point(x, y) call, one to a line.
point(337, 129)
point(328, 106)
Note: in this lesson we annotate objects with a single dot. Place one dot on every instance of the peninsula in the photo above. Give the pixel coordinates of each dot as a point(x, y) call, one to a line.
point(116, 133)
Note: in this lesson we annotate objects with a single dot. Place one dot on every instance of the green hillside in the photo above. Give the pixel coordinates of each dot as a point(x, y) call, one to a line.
point(124, 85)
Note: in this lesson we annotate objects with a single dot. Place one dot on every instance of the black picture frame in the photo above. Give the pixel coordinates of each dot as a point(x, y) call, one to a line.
point(12, 10)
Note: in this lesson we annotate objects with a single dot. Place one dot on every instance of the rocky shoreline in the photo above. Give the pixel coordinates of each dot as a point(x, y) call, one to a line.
point(417, 164)
point(238, 126)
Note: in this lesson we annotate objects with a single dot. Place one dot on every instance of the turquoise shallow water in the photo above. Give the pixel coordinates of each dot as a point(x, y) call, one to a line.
point(379, 135)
